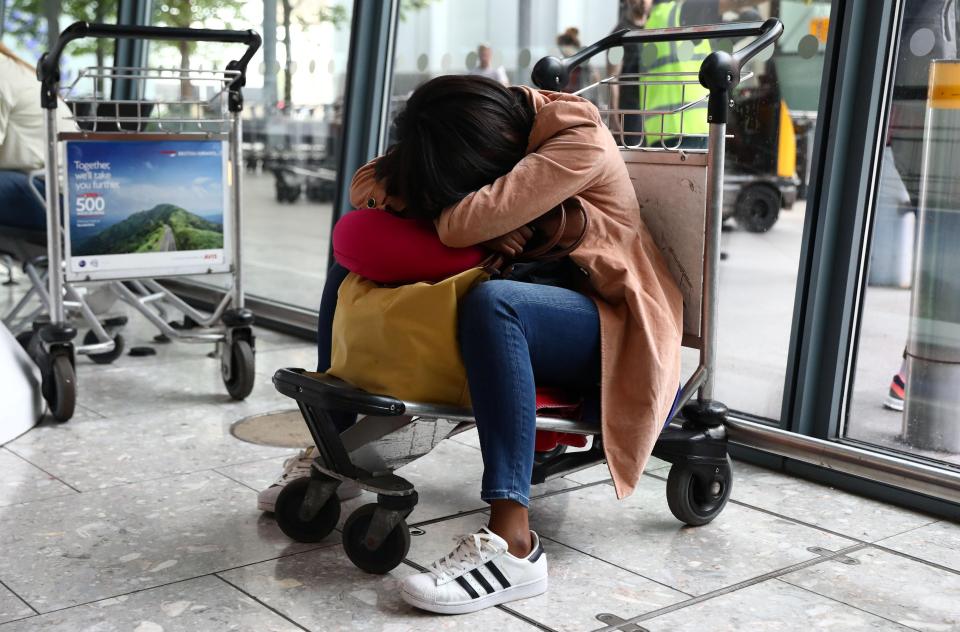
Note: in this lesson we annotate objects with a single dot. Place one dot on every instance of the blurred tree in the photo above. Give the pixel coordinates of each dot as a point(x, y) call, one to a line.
point(187, 13)
point(27, 27)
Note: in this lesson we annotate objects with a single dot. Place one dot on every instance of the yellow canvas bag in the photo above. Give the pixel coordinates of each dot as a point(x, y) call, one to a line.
point(402, 341)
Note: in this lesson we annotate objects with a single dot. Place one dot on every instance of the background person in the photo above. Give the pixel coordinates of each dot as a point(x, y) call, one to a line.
point(665, 57)
point(22, 142)
point(485, 66)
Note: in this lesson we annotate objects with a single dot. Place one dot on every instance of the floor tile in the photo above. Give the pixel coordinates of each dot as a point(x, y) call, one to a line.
point(917, 595)
point(601, 472)
point(641, 535)
point(580, 586)
point(162, 442)
point(12, 607)
point(300, 356)
point(22, 482)
point(322, 590)
point(72, 550)
point(206, 603)
point(938, 542)
point(256, 475)
point(448, 482)
point(125, 390)
point(469, 438)
point(848, 514)
point(591, 474)
point(771, 606)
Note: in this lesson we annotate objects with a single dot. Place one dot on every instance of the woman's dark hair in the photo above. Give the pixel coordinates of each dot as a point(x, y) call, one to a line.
point(456, 134)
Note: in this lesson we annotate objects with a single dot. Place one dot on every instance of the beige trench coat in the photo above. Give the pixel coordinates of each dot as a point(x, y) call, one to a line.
point(571, 153)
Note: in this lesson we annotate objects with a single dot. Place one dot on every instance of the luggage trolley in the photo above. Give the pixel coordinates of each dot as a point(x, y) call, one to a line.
point(681, 197)
point(140, 111)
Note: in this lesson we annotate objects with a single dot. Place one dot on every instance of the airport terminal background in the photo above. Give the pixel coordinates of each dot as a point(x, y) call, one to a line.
point(166, 463)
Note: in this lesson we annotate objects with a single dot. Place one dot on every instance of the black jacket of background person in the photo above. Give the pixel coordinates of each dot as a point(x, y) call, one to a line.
point(908, 112)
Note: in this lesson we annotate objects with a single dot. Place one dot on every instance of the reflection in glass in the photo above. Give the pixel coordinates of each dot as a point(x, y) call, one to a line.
point(905, 378)
point(292, 126)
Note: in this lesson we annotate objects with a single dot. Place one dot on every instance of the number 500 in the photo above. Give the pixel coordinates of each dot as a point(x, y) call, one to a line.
point(90, 204)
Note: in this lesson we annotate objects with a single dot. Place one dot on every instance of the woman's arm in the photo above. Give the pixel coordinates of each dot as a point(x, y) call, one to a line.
point(562, 167)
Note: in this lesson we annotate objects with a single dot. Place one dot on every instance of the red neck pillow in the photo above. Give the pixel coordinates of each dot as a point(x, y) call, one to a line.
point(394, 250)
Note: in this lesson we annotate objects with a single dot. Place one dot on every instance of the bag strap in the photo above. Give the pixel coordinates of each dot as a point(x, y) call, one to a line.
point(548, 251)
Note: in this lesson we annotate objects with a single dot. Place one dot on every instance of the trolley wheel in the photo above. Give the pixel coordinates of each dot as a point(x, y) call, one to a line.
point(691, 500)
point(287, 512)
point(758, 208)
point(383, 559)
point(546, 455)
point(241, 379)
point(63, 390)
point(24, 338)
point(109, 356)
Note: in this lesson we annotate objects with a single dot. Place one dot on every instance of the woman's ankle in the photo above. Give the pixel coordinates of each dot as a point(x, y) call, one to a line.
point(509, 520)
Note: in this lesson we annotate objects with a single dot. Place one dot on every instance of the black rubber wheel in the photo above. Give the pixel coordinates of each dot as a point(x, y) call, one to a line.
point(242, 367)
point(379, 561)
point(105, 358)
point(63, 391)
point(758, 208)
point(24, 338)
point(287, 512)
point(543, 457)
point(693, 502)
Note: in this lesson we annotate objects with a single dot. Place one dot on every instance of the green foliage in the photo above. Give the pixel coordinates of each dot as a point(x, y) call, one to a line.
point(187, 13)
point(406, 6)
point(151, 242)
point(144, 232)
point(339, 14)
point(26, 25)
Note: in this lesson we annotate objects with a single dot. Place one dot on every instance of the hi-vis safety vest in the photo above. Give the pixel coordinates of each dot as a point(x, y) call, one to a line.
point(664, 58)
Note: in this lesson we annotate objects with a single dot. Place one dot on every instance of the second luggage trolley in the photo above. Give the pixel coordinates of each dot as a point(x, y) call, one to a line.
point(681, 196)
point(162, 135)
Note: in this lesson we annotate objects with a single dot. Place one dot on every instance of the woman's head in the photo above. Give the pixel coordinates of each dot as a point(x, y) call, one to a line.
point(455, 135)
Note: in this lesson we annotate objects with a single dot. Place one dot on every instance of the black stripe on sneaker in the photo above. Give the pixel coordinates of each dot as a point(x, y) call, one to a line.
point(477, 575)
point(497, 574)
point(536, 554)
point(466, 586)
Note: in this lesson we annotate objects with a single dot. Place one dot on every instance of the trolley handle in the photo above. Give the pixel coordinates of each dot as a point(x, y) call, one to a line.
point(719, 72)
point(48, 69)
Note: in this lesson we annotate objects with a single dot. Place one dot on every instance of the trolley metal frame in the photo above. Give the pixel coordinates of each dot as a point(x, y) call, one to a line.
point(101, 118)
point(392, 432)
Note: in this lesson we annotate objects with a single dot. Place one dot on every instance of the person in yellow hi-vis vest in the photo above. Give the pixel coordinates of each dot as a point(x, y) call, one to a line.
point(660, 91)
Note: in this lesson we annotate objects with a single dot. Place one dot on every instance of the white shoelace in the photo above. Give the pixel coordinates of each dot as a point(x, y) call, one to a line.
point(472, 550)
point(297, 466)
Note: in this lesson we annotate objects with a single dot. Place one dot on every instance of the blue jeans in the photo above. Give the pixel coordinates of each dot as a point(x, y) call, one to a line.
point(512, 337)
point(19, 208)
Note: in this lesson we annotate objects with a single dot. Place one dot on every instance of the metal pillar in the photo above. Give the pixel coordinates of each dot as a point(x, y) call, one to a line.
point(270, 55)
point(931, 417)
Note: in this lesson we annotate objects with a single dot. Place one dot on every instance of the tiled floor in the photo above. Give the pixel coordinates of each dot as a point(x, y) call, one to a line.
point(139, 515)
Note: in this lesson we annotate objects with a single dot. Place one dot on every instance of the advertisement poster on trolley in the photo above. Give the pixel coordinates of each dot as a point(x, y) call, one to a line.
point(146, 208)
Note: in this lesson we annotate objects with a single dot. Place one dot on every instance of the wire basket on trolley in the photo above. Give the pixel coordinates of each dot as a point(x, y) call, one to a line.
point(652, 126)
point(162, 100)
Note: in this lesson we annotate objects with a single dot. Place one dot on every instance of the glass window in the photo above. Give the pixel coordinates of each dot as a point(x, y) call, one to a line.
point(25, 31)
point(904, 391)
point(767, 161)
point(292, 121)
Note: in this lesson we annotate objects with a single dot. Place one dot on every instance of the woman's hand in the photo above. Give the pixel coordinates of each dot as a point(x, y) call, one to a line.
point(512, 243)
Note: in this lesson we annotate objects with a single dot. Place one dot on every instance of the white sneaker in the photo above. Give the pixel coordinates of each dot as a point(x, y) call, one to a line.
point(298, 467)
point(478, 574)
